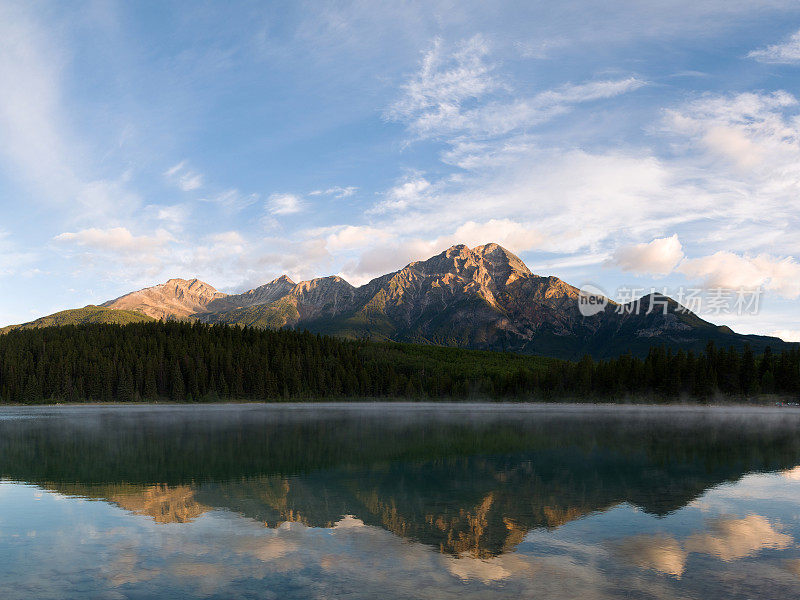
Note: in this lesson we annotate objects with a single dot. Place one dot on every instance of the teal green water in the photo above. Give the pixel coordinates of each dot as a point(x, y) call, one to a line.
point(399, 501)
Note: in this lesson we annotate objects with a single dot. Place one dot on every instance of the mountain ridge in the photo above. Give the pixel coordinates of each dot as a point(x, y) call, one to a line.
point(483, 297)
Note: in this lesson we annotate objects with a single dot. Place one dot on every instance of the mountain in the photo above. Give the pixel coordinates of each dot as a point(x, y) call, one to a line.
point(483, 297)
point(177, 298)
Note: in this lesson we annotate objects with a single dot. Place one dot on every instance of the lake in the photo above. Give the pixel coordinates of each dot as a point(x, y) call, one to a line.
point(399, 501)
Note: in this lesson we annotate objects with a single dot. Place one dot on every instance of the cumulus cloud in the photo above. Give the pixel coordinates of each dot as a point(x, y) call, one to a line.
point(184, 177)
point(658, 257)
point(284, 204)
point(785, 52)
point(728, 270)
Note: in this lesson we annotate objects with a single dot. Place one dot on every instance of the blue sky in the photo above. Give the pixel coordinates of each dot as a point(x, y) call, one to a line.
point(624, 144)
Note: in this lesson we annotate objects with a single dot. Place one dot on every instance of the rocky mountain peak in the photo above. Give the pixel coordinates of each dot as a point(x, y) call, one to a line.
point(323, 284)
point(482, 297)
point(174, 299)
point(283, 279)
point(501, 258)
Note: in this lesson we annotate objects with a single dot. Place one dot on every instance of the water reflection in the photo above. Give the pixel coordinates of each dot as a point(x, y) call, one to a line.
point(470, 500)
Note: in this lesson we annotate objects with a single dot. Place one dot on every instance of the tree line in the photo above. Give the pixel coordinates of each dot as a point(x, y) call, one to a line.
point(183, 362)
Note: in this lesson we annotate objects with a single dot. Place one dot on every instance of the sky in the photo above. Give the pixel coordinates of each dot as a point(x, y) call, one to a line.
point(630, 145)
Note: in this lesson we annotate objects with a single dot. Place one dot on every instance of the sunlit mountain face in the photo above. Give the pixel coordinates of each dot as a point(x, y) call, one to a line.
point(481, 497)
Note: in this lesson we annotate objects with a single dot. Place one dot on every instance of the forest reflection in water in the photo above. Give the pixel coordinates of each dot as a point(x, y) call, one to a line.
point(495, 500)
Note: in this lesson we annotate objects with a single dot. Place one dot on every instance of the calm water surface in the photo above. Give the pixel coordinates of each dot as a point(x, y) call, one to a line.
point(399, 501)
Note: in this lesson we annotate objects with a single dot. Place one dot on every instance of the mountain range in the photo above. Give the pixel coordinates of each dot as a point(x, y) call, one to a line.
point(483, 298)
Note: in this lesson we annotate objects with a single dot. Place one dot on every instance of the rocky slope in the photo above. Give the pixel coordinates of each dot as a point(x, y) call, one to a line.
point(177, 298)
point(484, 297)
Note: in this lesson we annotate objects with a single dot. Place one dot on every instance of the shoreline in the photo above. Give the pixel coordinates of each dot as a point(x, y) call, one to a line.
point(428, 405)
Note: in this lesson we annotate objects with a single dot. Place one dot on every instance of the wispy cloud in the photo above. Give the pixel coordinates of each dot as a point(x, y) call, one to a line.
point(38, 138)
point(336, 192)
point(184, 177)
point(232, 200)
point(435, 96)
point(409, 192)
point(785, 52)
point(284, 204)
point(115, 239)
point(12, 259)
point(459, 93)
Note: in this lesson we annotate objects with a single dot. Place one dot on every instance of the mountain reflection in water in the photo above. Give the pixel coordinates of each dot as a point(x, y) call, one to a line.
point(464, 481)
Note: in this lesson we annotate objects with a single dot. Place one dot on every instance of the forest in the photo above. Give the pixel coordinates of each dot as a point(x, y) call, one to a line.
point(181, 362)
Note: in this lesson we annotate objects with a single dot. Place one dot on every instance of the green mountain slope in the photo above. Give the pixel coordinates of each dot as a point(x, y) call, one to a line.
point(81, 316)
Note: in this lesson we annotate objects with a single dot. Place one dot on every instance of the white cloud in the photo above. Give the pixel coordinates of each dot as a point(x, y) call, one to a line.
point(458, 93)
point(336, 191)
point(184, 177)
point(31, 124)
point(38, 143)
point(115, 239)
point(409, 192)
point(786, 52)
point(380, 250)
point(728, 270)
point(515, 236)
point(658, 257)
point(284, 204)
point(386, 257)
point(748, 131)
point(444, 82)
point(356, 236)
